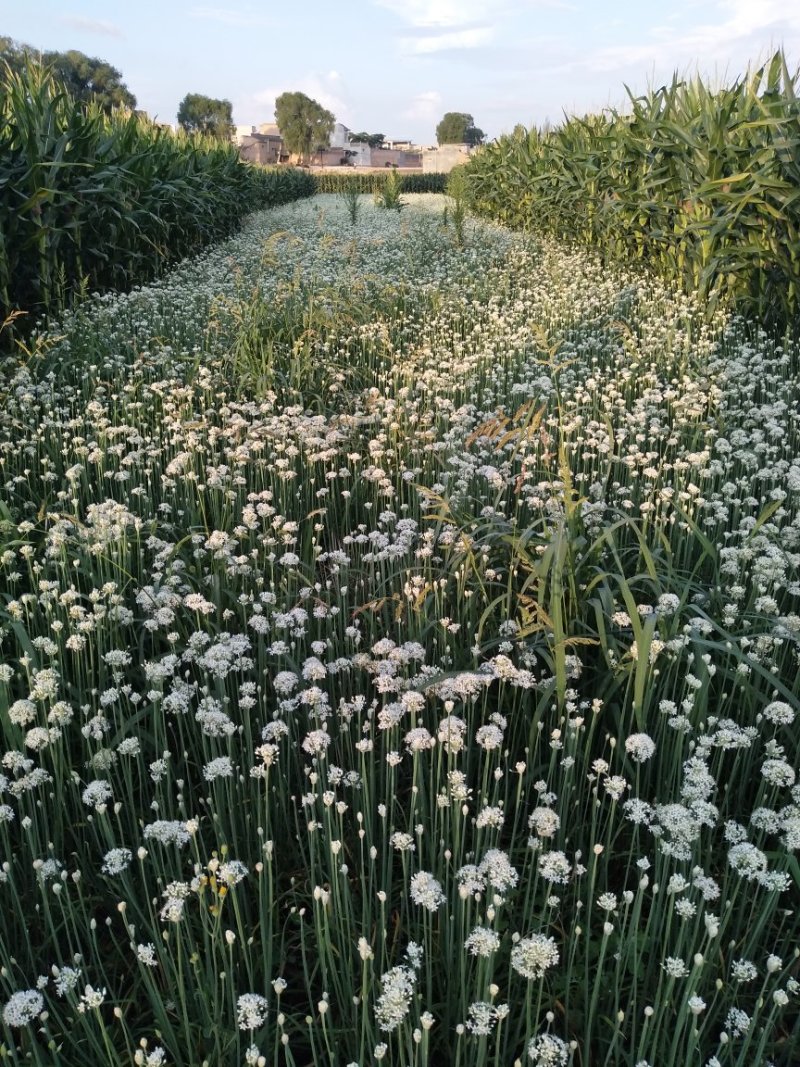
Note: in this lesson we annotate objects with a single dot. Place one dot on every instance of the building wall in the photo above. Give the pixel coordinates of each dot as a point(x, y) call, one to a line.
point(363, 156)
point(393, 157)
point(366, 157)
point(339, 137)
point(441, 160)
point(238, 133)
point(332, 157)
point(261, 149)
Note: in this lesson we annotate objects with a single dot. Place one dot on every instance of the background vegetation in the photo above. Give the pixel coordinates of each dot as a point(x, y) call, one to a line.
point(458, 127)
point(205, 114)
point(304, 123)
point(92, 201)
point(366, 183)
point(702, 185)
point(91, 80)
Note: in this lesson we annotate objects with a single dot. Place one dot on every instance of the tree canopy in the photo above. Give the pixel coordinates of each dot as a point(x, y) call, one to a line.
point(458, 127)
point(374, 140)
point(91, 79)
point(15, 54)
point(205, 114)
point(86, 78)
point(304, 124)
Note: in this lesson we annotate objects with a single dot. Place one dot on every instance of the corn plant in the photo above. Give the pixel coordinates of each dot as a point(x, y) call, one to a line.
point(350, 197)
point(91, 202)
point(457, 193)
point(333, 182)
point(698, 184)
point(387, 194)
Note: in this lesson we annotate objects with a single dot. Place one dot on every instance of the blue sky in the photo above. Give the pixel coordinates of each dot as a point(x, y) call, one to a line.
point(396, 66)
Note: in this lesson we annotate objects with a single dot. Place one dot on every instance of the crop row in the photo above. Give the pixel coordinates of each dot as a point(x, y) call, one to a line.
point(92, 202)
point(399, 663)
point(701, 185)
point(367, 183)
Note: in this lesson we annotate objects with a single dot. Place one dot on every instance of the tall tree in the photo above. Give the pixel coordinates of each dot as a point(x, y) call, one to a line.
point(87, 78)
point(374, 140)
point(204, 114)
point(458, 127)
point(12, 52)
point(304, 124)
point(90, 79)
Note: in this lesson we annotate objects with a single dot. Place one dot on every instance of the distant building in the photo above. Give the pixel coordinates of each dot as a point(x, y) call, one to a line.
point(238, 132)
point(263, 145)
point(350, 155)
point(340, 138)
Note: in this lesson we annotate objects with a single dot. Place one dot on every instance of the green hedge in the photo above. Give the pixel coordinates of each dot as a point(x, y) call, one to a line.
point(366, 183)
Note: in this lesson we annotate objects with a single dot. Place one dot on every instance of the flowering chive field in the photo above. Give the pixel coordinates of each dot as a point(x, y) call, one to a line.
point(399, 663)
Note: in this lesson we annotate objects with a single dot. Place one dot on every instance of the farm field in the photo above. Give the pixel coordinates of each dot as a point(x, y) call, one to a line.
point(399, 662)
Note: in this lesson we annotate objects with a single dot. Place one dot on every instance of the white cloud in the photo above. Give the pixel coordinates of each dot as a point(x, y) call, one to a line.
point(244, 19)
point(445, 14)
point(99, 26)
point(440, 13)
point(746, 17)
point(745, 31)
point(425, 106)
point(442, 42)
